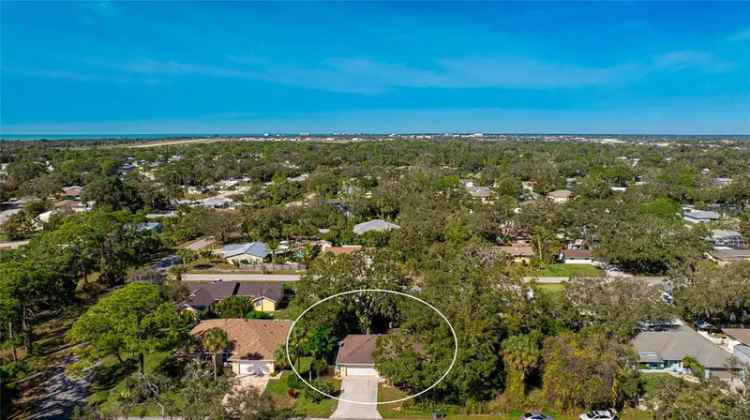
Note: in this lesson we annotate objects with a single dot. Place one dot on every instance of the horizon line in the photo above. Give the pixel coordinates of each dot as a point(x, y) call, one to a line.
point(368, 133)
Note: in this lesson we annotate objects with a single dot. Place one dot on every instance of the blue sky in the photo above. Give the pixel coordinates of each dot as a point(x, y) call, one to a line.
point(112, 67)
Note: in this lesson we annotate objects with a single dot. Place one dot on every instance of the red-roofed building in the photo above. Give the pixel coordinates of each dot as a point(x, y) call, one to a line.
point(577, 256)
point(344, 249)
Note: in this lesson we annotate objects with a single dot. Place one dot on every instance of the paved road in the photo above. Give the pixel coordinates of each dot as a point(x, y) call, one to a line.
point(240, 277)
point(358, 388)
point(546, 280)
point(58, 394)
point(13, 244)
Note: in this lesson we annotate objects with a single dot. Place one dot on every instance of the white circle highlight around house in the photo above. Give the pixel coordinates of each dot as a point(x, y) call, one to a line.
point(359, 291)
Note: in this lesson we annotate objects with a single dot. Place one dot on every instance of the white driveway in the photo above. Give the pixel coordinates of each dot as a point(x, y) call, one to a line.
point(248, 381)
point(358, 388)
point(253, 381)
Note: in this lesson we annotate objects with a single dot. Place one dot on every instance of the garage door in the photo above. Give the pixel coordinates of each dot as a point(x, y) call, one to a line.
point(255, 368)
point(361, 371)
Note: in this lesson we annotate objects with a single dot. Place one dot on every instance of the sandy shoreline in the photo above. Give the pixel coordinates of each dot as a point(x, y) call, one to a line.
point(158, 143)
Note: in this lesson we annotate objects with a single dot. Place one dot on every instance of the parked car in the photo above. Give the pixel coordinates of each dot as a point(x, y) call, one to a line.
point(599, 415)
point(667, 298)
point(656, 325)
point(706, 326)
point(535, 415)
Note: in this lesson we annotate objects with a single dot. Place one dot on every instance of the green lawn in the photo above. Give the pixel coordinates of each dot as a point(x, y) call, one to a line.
point(278, 390)
point(569, 270)
point(407, 410)
point(281, 313)
point(553, 288)
point(650, 381)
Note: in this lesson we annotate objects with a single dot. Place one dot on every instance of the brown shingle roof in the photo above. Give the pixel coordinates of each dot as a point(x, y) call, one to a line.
point(518, 250)
point(346, 249)
point(740, 334)
point(251, 339)
point(199, 244)
point(73, 190)
point(357, 348)
point(577, 253)
point(560, 194)
point(69, 204)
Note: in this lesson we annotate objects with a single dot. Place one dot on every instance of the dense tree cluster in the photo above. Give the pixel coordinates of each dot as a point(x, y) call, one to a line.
point(569, 349)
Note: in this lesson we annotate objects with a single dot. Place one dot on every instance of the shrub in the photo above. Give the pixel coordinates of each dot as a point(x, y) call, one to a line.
point(253, 314)
point(294, 382)
point(315, 396)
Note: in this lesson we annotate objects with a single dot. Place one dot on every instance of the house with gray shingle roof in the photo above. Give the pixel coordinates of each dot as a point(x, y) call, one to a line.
point(482, 193)
point(355, 356)
point(246, 253)
point(665, 351)
point(700, 216)
point(721, 238)
point(264, 296)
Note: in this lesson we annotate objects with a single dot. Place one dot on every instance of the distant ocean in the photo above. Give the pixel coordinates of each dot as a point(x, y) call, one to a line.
point(172, 136)
point(37, 137)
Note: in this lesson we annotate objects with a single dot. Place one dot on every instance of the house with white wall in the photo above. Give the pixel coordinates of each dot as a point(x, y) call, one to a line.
point(246, 253)
point(355, 356)
point(664, 351)
point(252, 343)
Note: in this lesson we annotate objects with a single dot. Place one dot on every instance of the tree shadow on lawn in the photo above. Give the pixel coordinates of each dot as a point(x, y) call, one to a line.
point(108, 375)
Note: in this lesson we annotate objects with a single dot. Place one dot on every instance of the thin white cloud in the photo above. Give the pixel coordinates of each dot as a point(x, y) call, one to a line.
point(71, 75)
point(742, 35)
point(677, 118)
point(367, 76)
point(174, 68)
point(692, 59)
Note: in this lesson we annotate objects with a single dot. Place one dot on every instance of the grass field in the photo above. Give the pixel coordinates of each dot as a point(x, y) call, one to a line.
point(650, 381)
point(569, 270)
point(278, 390)
point(551, 288)
point(408, 411)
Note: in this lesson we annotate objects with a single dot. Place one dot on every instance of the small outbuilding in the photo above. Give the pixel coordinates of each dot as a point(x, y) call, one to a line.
point(560, 196)
point(700, 216)
point(377, 225)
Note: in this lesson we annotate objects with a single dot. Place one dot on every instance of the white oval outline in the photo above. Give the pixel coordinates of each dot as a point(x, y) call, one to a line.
point(393, 292)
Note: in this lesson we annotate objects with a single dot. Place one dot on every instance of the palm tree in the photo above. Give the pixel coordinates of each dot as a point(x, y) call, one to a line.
point(215, 341)
point(521, 354)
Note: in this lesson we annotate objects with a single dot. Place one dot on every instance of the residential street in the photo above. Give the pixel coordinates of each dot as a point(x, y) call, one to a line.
point(240, 277)
point(358, 388)
point(56, 396)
